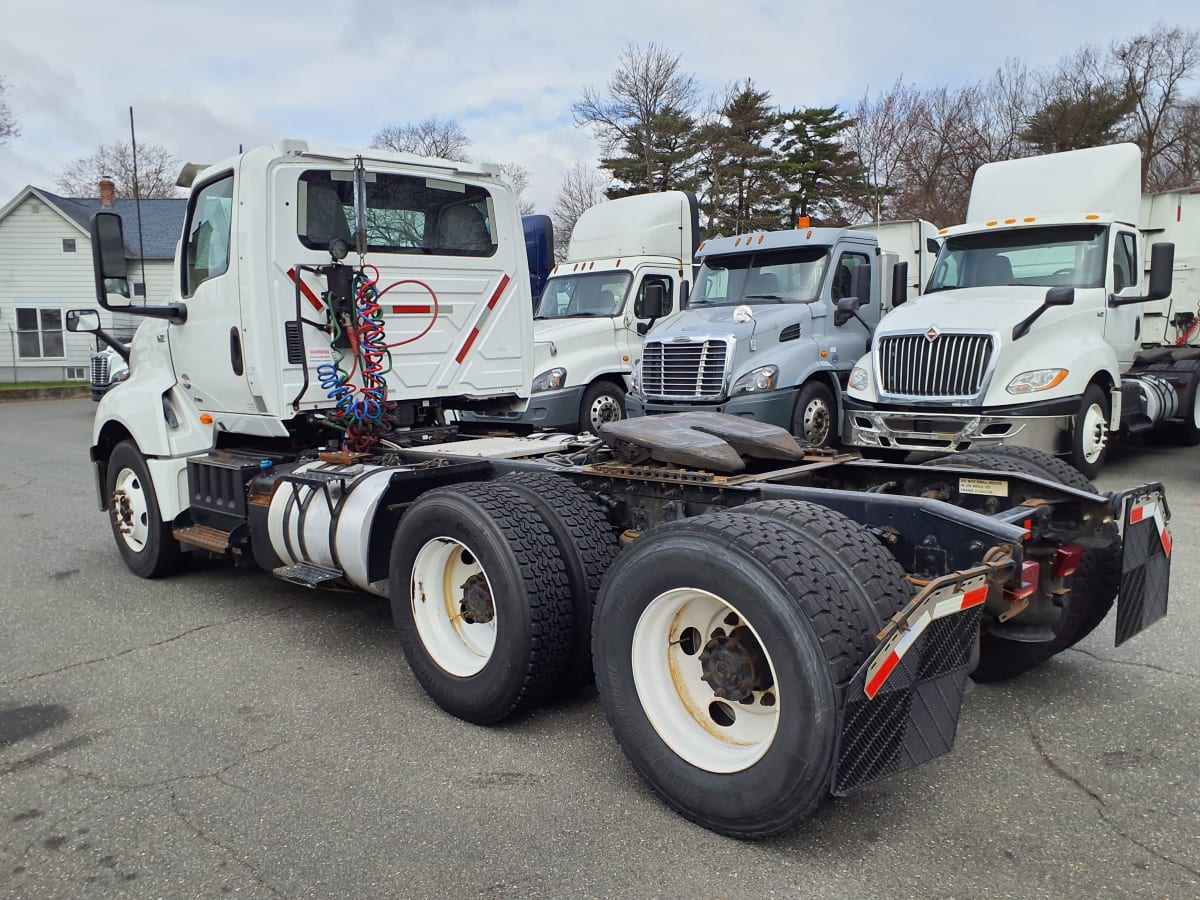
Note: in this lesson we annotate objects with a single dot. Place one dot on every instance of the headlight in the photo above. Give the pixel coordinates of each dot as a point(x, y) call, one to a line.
point(764, 378)
point(1037, 380)
point(550, 380)
point(123, 375)
point(859, 379)
point(635, 379)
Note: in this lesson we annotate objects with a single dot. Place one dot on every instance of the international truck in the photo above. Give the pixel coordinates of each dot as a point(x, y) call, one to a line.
point(588, 326)
point(768, 625)
point(773, 327)
point(1036, 327)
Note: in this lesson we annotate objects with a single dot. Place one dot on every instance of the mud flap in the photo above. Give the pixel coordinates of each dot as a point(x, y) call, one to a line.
point(902, 706)
point(1145, 560)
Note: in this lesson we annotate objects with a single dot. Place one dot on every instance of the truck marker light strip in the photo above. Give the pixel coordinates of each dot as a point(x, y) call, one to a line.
point(411, 310)
point(487, 311)
point(1148, 510)
point(946, 602)
point(306, 291)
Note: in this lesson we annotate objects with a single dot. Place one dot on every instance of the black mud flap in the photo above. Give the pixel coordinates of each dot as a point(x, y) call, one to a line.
point(1145, 560)
point(902, 706)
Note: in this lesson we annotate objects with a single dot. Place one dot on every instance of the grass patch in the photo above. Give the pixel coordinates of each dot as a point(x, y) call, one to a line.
point(27, 385)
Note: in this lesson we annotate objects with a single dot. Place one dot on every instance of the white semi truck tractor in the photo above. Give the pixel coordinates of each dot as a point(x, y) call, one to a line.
point(1035, 328)
point(768, 625)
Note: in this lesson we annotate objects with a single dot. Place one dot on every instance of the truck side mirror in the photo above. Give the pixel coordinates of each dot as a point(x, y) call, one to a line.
point(1060, 296)
point(899, 284)
point(684, 293)
point(846, 309)
point(932, 246)
point(1162, 271)
point(87, 320)
point(860, 284)
point(108, 260)
point(652, 302)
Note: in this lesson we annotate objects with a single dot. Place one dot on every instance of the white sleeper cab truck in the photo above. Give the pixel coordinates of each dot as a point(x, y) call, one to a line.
point(771, 330)
point(768, 625)
point(1034, 322)
point(588, 326)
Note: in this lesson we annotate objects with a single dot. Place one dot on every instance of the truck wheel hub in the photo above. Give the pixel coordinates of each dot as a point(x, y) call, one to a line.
point(477, 605)
point(735, 666)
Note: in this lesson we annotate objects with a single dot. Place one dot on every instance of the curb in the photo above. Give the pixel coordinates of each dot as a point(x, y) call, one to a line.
point(55, 393)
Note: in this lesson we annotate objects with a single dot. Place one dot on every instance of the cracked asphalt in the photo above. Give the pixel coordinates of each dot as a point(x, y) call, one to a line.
point(222, 733)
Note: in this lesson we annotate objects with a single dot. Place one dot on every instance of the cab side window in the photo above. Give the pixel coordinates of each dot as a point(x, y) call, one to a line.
point(209, 226)
point(843, 275)
point(663, 280)
point(1124, 263)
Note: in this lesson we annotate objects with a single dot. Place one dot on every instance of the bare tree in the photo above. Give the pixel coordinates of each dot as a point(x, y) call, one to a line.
point(581, 189)
point(157, 171)
point(8, 123)
point(881, 137)
point(518, 177)
point(432, 137)
point(644, 119)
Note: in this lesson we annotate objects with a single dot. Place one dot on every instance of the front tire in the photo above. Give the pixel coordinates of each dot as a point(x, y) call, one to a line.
point(814, 420)
point(1089, 433)
point(145, 541)
point(603, 402)
point(723, 647)
point(481, 600)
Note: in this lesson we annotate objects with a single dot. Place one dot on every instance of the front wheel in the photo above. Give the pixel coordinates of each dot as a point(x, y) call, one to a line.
point(815, 418)
point(1089, 434)
point(722, 648)
point(602, 402)
point(145, 541)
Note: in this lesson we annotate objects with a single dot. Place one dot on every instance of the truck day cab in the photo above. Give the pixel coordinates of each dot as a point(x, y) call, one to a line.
point(588, 325)
point(1032, 328)
point(767, 625)
point(772, 328)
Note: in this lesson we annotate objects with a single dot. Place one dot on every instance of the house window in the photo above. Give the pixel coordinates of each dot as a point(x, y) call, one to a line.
point(68, 245)
point(77, 373)
point(39, 333)
point(139, 289)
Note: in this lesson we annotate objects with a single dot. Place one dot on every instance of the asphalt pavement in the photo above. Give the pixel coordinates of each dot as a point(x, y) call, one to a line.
point(223, 733)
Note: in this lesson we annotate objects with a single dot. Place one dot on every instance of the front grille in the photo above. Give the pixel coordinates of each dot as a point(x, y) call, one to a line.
point(691, 370)
point(952, 365)
point(100, 369)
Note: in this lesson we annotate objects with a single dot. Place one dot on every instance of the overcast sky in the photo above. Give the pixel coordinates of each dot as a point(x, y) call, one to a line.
point(206, 77)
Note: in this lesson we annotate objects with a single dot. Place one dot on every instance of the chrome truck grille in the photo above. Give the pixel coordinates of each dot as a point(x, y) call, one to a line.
point(100, 369)
point(950, 366)
point(684, 370)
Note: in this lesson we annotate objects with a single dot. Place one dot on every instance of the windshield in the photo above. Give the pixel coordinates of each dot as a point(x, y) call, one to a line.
point(1057, 256)
point(596, 294)
point(793, 275)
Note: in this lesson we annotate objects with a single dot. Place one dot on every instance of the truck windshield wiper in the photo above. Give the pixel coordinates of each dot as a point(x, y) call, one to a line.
point(774, 297)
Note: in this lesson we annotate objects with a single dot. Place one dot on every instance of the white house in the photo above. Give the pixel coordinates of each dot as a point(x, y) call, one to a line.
point(46, 269)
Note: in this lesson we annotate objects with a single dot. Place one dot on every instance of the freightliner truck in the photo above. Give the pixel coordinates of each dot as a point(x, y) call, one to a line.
point(1035, 328)
point(772, 328)
point(768, 625)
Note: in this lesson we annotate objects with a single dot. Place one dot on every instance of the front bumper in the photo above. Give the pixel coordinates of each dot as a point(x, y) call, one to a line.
point(773, 408)
point(1042, 426)
point(548, 409)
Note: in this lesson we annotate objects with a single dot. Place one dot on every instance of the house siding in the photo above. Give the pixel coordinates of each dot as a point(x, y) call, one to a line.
point(35, 272)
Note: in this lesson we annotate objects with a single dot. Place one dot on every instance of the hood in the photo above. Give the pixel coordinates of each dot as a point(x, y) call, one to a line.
point(769, 320)
point(988, 308)
point(556, 339)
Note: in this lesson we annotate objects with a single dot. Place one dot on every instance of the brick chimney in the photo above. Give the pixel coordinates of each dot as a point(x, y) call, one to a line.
point(108, 191)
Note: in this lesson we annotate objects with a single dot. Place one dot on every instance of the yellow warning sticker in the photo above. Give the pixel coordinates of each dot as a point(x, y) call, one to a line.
point(983, 486)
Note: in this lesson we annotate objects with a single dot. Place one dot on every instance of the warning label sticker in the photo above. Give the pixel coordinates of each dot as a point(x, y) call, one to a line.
point(983, 487)
point(318, 356)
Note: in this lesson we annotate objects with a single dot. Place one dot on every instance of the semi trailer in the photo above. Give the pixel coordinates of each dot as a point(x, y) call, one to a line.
point(768, 624)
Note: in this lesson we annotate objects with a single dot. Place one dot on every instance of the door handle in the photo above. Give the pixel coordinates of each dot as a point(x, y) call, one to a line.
point(235, 351)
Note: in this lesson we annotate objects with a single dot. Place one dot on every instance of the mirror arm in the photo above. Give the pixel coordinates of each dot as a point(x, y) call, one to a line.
point(120, 348)
point(1022, 328)
point(175, 313)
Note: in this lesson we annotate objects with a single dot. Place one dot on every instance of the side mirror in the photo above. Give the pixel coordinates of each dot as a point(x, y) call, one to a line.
point(899, 284)
point(846, 308)
point(642, 328)
point(1162, 271)
point(108, 260)
point(1060, 296)
point(932, 246)
point(652, 303)
point(87, 320)
point(684, 293)
point(860, 284)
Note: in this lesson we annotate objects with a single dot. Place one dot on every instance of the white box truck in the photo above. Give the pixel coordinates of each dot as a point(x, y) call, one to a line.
point(1034, 326)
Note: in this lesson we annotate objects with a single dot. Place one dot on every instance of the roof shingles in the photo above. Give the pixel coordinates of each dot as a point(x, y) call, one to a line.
point(162, 221)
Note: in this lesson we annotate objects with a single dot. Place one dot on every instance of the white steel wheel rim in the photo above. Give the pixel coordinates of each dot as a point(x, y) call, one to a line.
point(1095, 433)
point(131, 509)
point(679, 704)
point(440, 574)
point(604, 409)
point(816, 422)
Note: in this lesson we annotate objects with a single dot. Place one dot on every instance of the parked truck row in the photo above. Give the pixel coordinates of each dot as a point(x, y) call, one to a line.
point(768, 624)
